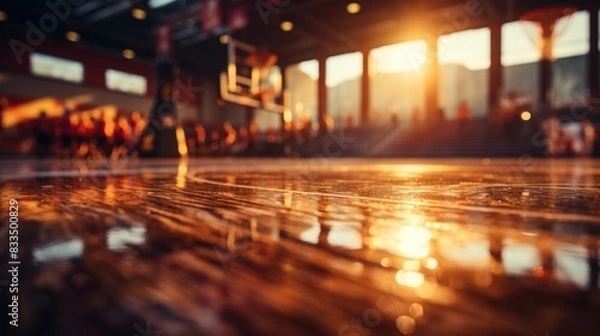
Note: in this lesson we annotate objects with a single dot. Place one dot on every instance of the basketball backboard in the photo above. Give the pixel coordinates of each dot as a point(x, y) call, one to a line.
point(252, 78)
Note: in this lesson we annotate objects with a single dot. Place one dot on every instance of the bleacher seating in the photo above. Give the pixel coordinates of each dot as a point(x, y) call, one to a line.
point(473, 138)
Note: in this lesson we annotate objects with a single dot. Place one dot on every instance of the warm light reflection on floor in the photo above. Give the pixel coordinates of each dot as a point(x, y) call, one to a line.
point(438, 242)
point(413, 241)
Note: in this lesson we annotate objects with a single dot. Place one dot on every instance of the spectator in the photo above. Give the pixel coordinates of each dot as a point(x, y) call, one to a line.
point(464, 114)
point(200, 140)
point(441, 114)
point(464, 111)
point(42, 132)
point(350, 122)
point(415, 116)
point(553, 134)
point(3, 105)
point(253, 139)
point(241, 143)
point(100, 135)
point(122, 136)
point(85, 135)
point(394, 119)
point(73, 135)
point(64, 132)
point(589, 137)
point(214, 142)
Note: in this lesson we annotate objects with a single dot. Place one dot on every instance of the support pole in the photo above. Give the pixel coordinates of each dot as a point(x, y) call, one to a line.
point(545, 94)
point(594, 70)
point(365, 110)
point(431, 80)
point(322, 94)
point(496, 78)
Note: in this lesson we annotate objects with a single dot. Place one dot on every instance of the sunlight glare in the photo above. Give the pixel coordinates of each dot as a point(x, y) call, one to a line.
point(401, 57)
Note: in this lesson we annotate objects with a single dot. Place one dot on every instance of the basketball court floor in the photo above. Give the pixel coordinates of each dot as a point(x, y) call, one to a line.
point(306, 247)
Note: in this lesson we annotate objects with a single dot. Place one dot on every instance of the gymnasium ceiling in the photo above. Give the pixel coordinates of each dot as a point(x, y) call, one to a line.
point(321, 27)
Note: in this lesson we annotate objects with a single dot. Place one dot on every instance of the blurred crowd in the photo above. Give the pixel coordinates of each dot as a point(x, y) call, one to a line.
point(84, 136)
point(117, 135)
point(75, 135)
point(227, 140)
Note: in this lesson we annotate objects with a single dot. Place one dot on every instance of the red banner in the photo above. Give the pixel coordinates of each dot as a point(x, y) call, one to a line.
point(238, 18)
point(211, 15)
point(163, 39)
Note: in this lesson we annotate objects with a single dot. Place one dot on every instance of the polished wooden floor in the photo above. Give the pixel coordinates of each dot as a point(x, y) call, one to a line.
point(306, 247)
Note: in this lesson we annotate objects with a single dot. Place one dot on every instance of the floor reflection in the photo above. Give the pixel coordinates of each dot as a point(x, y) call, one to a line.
point(419, 249)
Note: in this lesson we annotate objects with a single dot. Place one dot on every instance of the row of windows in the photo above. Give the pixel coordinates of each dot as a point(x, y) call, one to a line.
point(398, 73)
point(72, 71)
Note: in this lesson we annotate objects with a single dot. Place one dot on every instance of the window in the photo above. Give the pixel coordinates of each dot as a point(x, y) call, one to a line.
point(570, 67)
point(397, 80)
point(520, 57)
point(464, 60)
point(126, 82)
point(343, 88)
point(56, 67)
point(302, 83)
point(521, 54)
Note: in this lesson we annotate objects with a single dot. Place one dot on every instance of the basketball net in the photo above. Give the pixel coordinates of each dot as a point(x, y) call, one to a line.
point(266, 96)
point(262, 62)
point(546, 21)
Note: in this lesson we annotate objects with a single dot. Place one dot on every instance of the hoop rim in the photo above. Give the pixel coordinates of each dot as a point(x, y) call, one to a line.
point(266, 96)
point(261, 59)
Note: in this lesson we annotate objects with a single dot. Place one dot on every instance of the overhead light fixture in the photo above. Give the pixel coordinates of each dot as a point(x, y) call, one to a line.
point(287, 26)
point(138, 13)
point(73, 36)
point(128, 53)
point(159, 3)
point(353, 8)
point(224, 38)
point(526, 115)
point(3, 16)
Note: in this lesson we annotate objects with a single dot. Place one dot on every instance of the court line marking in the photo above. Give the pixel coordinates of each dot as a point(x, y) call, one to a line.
point(78, 173)
point(257, 166)
point(522, 213)
point(207, 167)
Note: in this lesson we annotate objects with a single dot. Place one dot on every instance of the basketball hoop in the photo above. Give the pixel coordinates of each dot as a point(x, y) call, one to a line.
point(261, 62)
point(261, 59)
point(253, 79)
point(266, 97)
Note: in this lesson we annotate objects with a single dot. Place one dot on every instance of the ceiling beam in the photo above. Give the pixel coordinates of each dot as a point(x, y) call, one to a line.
point(88, 7)
point(190, 12)
point(340, 37)
point(304, 6)
point(305, 34)
point(111, 11)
